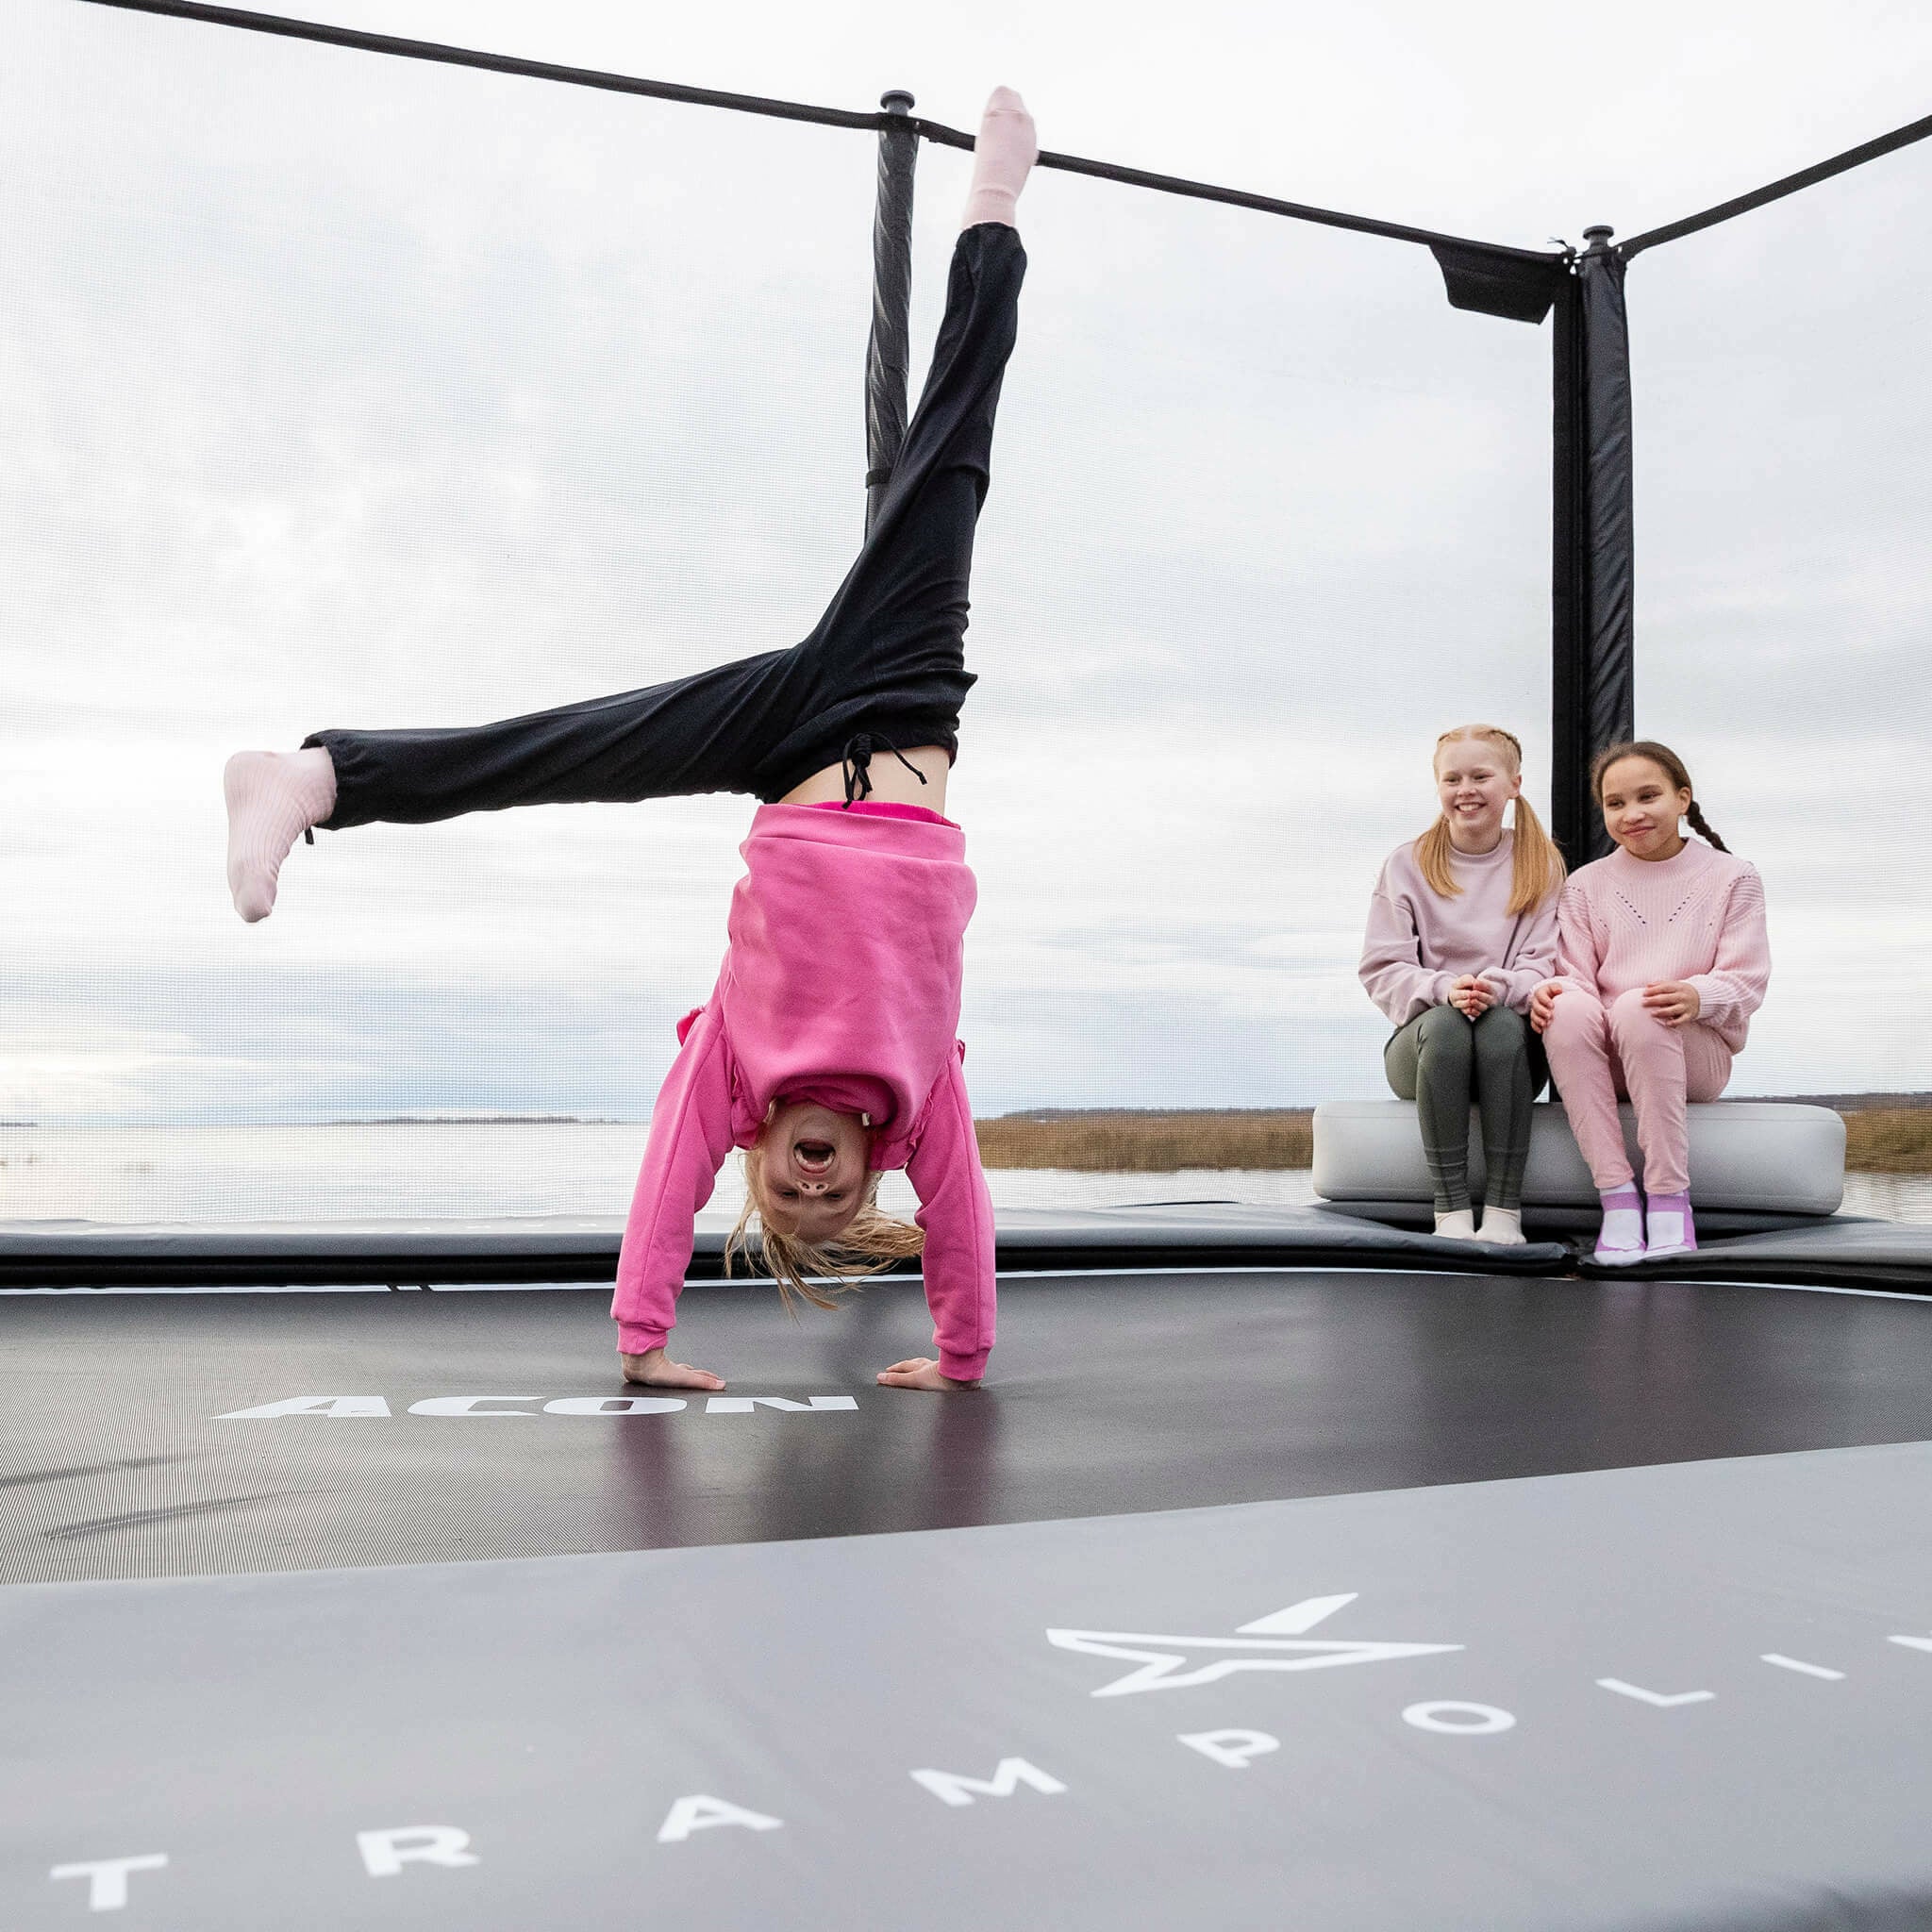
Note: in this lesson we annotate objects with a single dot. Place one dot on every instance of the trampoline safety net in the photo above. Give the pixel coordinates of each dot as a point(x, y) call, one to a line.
point(346, 391)
point(1784, 612)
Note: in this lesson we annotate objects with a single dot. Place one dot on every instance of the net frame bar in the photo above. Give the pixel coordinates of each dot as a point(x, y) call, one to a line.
point(887, 121)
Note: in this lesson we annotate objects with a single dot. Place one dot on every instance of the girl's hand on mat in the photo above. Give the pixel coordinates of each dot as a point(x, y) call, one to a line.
point(1671, 1001)
point(922, 1372)
point(1472, 997)
point(1542, 1002)
point(654, 1369)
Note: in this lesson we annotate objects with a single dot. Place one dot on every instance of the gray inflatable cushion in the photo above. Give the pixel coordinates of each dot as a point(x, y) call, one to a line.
point(1745, 1155)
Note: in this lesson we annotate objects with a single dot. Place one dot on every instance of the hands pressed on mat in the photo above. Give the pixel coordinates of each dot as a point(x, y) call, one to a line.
point(654, 1369)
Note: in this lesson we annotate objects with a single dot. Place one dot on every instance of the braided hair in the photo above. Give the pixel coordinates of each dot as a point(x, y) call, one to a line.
point(1672, 767)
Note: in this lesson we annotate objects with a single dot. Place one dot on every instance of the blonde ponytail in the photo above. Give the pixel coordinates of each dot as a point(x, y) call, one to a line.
point(1432, 859)
point(1537, 869)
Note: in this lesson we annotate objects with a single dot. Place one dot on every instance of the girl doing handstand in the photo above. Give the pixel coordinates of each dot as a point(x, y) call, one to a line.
point(827, 1050)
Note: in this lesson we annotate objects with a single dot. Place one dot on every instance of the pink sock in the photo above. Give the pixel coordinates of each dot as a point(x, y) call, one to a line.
point(1002, 158)
point(273, 797)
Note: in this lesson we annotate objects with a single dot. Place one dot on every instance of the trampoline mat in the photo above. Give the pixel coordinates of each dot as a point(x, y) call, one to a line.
point(1688, 1696)
point(124, 1455)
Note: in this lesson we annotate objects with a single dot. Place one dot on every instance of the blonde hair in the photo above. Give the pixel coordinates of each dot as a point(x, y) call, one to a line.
point(871, 1239)
point(1537, 868)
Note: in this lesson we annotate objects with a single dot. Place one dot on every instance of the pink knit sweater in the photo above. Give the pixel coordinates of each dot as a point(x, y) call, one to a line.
point(1417, 943)
point(1626, 922)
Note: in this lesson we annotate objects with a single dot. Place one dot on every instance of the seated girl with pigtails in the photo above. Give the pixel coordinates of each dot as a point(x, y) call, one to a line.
point(1462, 929)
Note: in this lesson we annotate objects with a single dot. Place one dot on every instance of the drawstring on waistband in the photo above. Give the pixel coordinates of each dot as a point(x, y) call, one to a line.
point(858, 765)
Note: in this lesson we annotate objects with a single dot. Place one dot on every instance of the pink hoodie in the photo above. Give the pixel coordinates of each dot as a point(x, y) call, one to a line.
point(840, 984)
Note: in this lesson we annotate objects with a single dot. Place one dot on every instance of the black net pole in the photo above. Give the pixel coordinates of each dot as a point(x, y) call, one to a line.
point(1593, 684)
point(1570, 749)
point(889, 351)
point(1609, 696)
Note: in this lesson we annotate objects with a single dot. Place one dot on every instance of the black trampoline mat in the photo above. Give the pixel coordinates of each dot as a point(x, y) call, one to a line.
point(1109, 1394)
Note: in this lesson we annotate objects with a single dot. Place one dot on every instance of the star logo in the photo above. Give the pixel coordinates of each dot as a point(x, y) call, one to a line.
point(1275, 1642)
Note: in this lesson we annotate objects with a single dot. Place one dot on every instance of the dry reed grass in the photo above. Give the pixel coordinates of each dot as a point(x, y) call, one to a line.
point(1889, 1140)
point(1149, 1142)
point(1892, 1140)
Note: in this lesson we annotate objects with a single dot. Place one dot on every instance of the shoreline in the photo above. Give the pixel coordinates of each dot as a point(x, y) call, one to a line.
point(1884, 1134)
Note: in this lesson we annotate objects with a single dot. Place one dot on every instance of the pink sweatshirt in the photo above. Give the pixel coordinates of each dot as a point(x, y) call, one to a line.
point(1699, 917)
point(840, 984)
point(1419, 943)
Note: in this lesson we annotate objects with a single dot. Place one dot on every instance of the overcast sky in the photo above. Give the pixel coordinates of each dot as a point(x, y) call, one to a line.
point(342, 391)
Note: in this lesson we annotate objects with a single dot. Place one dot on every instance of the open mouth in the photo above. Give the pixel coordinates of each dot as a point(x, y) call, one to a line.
point(813, 1157)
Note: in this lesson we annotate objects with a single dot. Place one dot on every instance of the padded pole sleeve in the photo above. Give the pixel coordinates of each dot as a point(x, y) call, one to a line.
point(1593, 581)
point(1609, 693)
point(888, 352)
point(1570, 801)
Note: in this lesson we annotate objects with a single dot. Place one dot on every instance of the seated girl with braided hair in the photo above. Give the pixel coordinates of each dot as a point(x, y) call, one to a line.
point(1661, 960)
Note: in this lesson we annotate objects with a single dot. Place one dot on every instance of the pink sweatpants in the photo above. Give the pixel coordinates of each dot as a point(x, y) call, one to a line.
point(1599, 1055)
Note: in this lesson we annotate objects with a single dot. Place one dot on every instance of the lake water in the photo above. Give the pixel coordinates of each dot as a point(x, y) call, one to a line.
point(463, 1172)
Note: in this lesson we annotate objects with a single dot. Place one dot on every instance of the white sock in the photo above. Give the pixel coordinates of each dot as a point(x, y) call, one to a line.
point(1503, 1225)
point(272, 798)
point(1667, 1222)
point(1003, 157)
point(1458, 1225)
point(1622, 1229)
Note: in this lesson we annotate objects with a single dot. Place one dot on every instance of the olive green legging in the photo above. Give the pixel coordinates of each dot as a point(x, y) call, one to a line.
point(1441, 1061)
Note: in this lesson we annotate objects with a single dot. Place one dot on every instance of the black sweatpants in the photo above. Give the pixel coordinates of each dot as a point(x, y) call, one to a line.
point(886, 661)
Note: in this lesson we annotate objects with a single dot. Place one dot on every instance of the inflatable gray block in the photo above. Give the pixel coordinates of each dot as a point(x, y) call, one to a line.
point(1750, 1156)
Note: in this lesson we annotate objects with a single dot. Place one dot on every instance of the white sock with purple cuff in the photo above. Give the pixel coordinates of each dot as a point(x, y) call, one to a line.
point(1622, 1240)
point(1668, 1226)
point(272, 798)
point(1003, 157)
